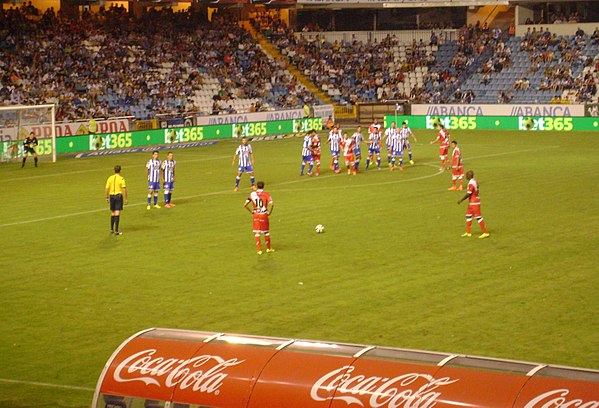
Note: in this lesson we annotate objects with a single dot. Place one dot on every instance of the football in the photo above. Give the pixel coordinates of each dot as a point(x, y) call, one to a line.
point(319, 229)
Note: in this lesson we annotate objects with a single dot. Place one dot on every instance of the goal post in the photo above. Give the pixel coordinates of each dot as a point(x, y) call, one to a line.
point(16, 121)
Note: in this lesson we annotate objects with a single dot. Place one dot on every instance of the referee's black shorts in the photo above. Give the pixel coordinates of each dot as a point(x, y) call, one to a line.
point(29, 150)
point(116, 202)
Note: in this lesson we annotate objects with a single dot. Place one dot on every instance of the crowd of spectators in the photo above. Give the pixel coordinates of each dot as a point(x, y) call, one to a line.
point(106, 63)
point(559, 55)
point(356, 70)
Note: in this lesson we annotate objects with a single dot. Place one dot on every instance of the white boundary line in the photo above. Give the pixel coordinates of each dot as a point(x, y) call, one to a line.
point(402, 180)
point(102, 169)
point(42, 384)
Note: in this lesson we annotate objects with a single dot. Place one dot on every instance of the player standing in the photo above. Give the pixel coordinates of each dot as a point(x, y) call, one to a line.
point(168, 179)
point(246, 162)
point(404, 133)
point(358, 139)
point(348, 153)
point(307, 153)
point(316, 152)
point(457, 167)
point(396, 144)
point(334, 140)
point(374, 148)
point(153, 172)
point(115, 190)
point(262, 207)
point(390, 134)
point(29, 145)
point(443, 138)
point(473, 195)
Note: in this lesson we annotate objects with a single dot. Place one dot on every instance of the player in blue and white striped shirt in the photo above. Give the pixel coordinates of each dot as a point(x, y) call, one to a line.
point(396, 145)
point(168, 179)
point(334, 140)
point(358, 139)
point(374, 148)
point(153, 171)
point(405, 132)
point(246, 163)
point(390, 134)
point(307, 152)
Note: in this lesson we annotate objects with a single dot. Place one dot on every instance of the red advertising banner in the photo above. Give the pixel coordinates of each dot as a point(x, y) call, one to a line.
point(160, 367)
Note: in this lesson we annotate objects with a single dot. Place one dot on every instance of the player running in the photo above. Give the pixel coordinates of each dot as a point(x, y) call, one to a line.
point(153, 173)
point(390, 134)
point(443, 138)
point(358, 139)
point(457, 167)
point(168, 179)
point(348, 153)
point(246, 162)
point(307, 153)
point(334, 140)
point(473, 196)
point(262, 207)
point(404, 133)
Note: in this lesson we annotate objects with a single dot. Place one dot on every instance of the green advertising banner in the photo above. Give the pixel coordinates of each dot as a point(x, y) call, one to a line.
point(83, 143)
point(540, 123)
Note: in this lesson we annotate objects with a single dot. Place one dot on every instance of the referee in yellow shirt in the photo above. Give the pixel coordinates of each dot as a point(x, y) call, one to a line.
point(116, 190)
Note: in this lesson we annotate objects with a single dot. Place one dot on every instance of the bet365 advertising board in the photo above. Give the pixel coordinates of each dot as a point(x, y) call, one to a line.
point(123, 140)
point(527, 123)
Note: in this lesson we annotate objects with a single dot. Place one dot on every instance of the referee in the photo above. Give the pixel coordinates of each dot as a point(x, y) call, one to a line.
point(115, 190)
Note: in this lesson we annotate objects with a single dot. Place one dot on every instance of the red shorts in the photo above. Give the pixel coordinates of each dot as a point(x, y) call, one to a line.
point(457, 172)
point(261, 222)
point(349, 158)
point(316, 156)
point(443, 150)
point(473, 211)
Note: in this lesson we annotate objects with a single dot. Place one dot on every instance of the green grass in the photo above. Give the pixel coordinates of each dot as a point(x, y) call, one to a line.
point(391, 268)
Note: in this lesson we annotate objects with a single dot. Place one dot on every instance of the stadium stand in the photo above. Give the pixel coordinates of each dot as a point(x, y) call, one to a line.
point(546, 68)
point(110, 64)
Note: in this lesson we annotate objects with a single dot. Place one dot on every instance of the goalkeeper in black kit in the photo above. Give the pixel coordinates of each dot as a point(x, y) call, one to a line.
point(29, 145)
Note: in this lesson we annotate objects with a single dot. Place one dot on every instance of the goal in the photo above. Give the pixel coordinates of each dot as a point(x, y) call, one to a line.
point(17, 121)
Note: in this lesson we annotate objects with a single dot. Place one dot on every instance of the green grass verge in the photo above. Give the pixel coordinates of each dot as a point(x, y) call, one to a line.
point(391, 268)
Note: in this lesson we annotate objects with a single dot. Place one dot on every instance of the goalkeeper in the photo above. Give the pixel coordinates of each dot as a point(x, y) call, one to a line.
point(29, 145)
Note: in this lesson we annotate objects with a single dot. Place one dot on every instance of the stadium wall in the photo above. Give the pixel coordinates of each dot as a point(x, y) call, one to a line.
point(135, 139)
point(528, 123)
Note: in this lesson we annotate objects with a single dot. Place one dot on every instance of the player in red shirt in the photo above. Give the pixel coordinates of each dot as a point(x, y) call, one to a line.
point(473, 206)
point(262, 207)
point(347, 143)
point(316, 151)
point(457, 167)
point(443, 138)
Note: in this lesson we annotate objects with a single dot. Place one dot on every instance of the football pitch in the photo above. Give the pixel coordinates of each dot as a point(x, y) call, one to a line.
point(390, 269)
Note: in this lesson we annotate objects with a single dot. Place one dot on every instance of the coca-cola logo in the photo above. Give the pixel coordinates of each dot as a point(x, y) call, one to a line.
point(412, 390)
point(557, 399)
point(202, 373)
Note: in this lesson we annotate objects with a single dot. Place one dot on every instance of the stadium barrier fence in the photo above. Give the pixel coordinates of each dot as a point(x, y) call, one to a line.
point(526, 123)
point(134, 139)
point(168, 368)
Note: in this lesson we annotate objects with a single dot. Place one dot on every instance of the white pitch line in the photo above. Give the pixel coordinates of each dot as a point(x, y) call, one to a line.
point(56, 217)
point(68, 173)
point(42, 384)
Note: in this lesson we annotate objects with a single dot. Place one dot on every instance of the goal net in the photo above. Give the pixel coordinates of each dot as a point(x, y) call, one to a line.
point(15, 124)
